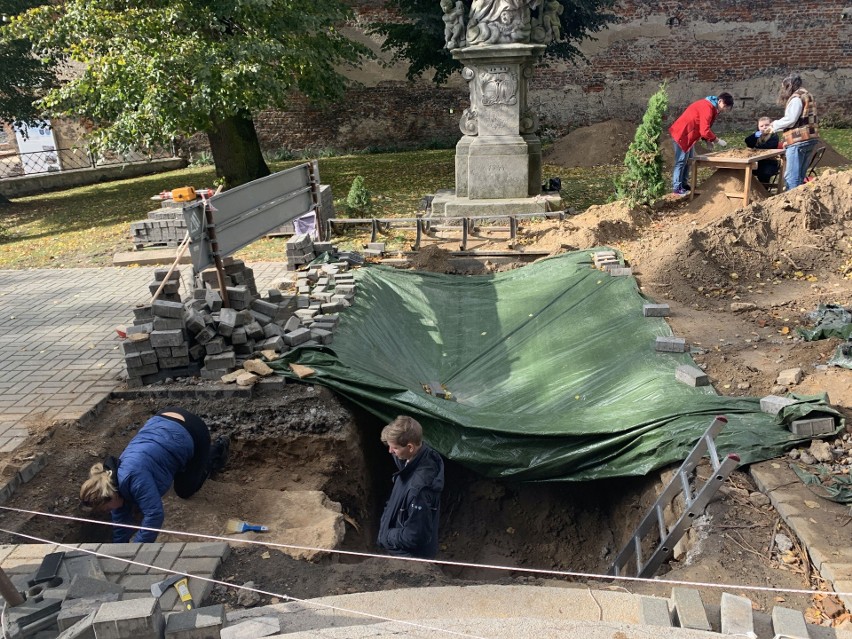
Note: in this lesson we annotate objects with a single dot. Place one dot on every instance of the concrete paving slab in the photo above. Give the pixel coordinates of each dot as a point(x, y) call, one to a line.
point(149, 257)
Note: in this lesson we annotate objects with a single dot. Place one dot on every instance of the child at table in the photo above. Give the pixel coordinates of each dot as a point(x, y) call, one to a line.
point(769, 167)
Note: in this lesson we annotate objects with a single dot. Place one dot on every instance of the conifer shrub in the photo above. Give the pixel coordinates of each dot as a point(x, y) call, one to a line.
point(358, 199)
point(642, 181)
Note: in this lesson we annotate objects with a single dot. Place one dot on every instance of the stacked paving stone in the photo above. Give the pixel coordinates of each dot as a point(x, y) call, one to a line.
point(74, 594)
point(300, 251)
point(163, 227)
point(171, 338)
point(608, 261)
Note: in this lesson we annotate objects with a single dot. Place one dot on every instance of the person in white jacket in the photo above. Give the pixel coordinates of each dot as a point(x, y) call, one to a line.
point(797, 129)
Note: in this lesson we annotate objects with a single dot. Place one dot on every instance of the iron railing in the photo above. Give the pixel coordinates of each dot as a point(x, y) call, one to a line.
point(49, 161)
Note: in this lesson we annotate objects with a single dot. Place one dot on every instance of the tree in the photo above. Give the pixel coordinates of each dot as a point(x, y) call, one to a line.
point(358, 199)
point(642, 181)
point(23, 77)
point(151, 70)
point(418, 37)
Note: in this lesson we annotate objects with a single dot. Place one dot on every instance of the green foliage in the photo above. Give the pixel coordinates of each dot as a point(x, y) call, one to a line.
point(359, 197)
point(23, 77)
point(642, 181)
point(419, 38)
point(201, 158)
point(280, 155)
point(152, 70)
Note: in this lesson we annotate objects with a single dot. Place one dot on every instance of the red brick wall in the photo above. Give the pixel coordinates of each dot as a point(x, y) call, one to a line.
point(699, 47)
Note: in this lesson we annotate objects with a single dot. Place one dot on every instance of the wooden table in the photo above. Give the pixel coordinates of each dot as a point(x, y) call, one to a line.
point(720, 161)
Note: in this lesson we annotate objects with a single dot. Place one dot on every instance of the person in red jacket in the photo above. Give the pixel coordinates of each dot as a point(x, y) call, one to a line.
point(695, 124)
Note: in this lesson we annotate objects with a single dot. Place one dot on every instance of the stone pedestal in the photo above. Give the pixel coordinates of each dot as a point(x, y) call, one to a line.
point(499, 156)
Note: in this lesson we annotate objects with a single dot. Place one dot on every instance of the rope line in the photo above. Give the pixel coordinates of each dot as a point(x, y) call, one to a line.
point(444, 562)
point(290, 598)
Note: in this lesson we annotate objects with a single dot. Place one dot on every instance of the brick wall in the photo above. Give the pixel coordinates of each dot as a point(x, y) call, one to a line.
point(699, 47)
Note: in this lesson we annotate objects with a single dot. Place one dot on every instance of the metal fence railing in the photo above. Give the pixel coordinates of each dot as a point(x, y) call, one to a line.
point(49, 161)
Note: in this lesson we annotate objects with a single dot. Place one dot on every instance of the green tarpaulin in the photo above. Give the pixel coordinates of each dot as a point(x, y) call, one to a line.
point(551, 369)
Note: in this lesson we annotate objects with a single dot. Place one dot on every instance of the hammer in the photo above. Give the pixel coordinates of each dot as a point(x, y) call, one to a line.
point(180, 582)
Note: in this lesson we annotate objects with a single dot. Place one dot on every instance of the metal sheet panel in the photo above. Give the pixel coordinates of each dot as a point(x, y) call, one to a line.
point(248, 212)
point(196, 225)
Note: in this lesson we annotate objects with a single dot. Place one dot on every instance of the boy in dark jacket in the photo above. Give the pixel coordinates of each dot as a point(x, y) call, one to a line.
point(409, 524)
point(765, 168)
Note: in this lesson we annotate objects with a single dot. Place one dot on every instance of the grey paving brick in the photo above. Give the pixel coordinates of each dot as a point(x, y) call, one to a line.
point(138, 618)
point(252, 628)
point(168, 554)
point(200, 623)
point(206, 549)
point(202, 566)
point(655, 611)
point(666, 344)
point(147, 554)
point(737, 617)
point(789, 623)
point(691, 376)
point(689, 609)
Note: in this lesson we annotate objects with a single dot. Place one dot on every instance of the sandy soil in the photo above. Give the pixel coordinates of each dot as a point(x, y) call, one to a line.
point(739, 281)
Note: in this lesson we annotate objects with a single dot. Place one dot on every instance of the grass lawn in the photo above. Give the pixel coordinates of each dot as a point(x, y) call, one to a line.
point(85, 226)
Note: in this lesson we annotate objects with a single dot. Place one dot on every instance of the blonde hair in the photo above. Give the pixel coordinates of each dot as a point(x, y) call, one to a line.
point(764, 119)
point(404, 430)
point(98, 489)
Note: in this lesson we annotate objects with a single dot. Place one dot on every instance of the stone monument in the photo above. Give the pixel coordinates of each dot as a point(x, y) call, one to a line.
point(498, 159)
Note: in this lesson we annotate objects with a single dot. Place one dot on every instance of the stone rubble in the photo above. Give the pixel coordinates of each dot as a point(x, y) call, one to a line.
point(173, 338)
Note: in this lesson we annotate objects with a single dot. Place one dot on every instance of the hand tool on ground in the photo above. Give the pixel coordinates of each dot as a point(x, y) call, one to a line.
point(237, 526)
point(181, 584)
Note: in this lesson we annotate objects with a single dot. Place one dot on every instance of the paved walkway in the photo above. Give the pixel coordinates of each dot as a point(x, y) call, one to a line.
point(59, 352)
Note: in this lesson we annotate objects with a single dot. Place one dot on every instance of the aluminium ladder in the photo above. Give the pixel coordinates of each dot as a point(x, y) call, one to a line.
point(694, 504)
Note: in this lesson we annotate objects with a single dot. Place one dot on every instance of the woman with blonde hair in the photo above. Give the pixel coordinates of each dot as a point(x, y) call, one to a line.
point(172, 447)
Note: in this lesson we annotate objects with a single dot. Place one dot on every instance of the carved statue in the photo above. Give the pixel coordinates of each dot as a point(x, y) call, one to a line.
point(454, 35)
point(500, 21)
point(550, 20)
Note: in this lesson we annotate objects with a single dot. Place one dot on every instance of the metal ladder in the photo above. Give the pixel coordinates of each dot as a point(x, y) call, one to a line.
point(694, 505)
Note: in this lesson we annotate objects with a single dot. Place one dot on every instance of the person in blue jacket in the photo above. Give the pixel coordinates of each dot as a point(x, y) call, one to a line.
point(172, 447)
point(758, 140)
point(409, 523)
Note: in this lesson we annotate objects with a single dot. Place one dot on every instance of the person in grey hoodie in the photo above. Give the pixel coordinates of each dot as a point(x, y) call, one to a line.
point(409, 523)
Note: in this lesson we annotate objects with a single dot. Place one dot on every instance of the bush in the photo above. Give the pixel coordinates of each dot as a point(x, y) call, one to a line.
point(359, 197)
point(201, 158)
point(642, 181)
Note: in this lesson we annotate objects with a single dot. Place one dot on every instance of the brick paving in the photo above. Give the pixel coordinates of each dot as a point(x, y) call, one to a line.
point(59, 352)
point(20, 563)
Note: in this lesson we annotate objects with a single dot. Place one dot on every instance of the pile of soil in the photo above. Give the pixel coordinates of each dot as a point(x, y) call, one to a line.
point(601, 143)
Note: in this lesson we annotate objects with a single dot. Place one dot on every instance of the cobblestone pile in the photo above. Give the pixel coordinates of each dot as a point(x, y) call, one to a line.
point(163, 227)
point(199, 336)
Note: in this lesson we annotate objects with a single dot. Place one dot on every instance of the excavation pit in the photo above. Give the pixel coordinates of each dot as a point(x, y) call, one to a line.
point(313, 469)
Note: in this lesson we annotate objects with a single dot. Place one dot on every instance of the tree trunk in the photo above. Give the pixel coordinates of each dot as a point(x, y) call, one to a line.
point(236, 150)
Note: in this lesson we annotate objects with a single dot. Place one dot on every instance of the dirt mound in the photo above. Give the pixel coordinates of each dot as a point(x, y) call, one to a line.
point(431, 258)
point(598, 225)
point(788, 235)
point(718, 194)
point(601, 143)
point(832, 158)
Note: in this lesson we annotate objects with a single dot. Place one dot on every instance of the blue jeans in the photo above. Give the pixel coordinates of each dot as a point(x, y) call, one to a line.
point(681, 166)
point(798, 155)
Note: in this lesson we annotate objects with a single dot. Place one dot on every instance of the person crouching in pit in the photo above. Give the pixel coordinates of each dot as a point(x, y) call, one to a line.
point(172, 447)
